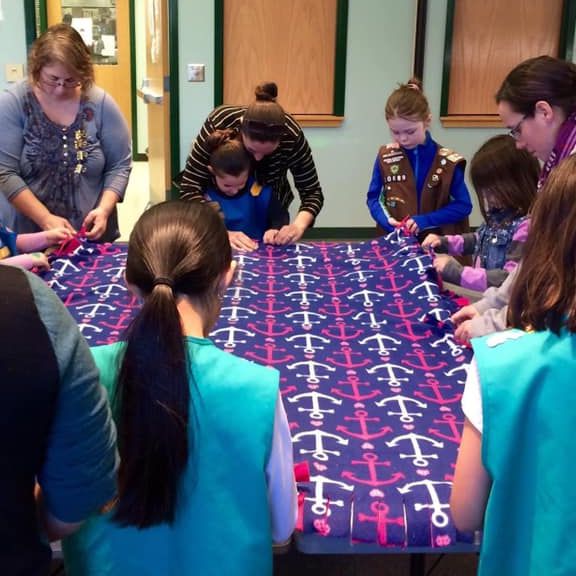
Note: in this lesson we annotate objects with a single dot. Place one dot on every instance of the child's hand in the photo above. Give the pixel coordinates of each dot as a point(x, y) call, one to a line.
point(464, 332)
point(411, 226)
point(270, 236)
point(440, 261)
point(56, 235)
point(465, 313)
point(431, 241)
point(39, 261)
point(239, 241)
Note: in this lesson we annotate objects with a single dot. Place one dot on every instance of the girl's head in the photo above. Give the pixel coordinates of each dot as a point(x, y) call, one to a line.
point(408, 114)
point(504, 177)
point(59, 61)
point(544, 293)
point(179, 256)
point(229, 161)
point(535, 99)
point(264, 122)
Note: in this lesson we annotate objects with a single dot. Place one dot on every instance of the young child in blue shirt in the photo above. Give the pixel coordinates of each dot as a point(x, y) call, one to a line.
point(206, 478)
point(252, 212)
point(505, 181)
point(415, 181)
point(25, 250)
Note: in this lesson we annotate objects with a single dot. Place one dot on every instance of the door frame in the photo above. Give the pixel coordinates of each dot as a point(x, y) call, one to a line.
point(34, 25)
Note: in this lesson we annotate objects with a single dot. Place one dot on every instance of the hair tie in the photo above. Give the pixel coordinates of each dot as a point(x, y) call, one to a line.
point(413, 86)
point(163, 281)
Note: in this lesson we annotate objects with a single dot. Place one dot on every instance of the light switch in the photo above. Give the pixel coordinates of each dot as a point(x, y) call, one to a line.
point(196, 72)
point(14, 72)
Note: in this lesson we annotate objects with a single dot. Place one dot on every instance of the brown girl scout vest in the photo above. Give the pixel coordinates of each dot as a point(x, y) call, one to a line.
point(399, 186)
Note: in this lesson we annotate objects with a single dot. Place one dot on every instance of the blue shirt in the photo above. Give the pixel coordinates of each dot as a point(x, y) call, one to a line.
point(253, 210)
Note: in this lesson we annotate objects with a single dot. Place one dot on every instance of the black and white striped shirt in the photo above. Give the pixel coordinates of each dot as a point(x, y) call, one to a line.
point(293, 153)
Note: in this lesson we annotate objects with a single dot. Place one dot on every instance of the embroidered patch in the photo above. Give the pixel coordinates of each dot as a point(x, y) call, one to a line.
point(395, 169)
point(454, 157)
point(502, 337)
point(393, 201)
point(444, 151)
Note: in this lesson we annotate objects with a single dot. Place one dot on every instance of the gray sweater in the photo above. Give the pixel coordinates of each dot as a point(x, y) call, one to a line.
point(66, 167)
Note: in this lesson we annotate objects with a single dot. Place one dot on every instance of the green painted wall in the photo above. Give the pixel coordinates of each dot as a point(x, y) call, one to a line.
point(380, 54)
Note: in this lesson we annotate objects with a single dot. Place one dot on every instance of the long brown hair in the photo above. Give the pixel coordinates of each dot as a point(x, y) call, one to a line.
point(175, 248)
point(61, 44)
point(544, 292)
point(509, 175)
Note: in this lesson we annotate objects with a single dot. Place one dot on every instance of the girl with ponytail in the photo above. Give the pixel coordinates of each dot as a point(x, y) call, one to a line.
point(205, 449)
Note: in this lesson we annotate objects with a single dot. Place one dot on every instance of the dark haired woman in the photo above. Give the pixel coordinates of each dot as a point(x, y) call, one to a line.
point(206, 479)
point(276, 143)
point(537, 102)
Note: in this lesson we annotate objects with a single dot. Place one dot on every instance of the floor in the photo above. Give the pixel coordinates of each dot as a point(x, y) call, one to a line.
point(136, 199)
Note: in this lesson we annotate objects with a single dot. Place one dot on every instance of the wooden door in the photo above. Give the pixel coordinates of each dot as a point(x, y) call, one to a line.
point(105, 27)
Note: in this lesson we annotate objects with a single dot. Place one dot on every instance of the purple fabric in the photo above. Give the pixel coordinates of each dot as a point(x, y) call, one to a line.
point(564, 146)
point(370, 373)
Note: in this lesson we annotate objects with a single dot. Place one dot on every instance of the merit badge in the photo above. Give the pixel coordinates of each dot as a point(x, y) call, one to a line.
point(255, 189)
point(394, 169)
point(443, 162)
point(435, 178)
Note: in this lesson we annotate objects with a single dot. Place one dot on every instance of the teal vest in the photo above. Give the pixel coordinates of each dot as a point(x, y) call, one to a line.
point(223, 520)
point(529, 408)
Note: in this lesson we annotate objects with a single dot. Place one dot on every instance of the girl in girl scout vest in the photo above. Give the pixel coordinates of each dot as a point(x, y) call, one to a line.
point(206, 479)
point(515, 470)
point(415, 180)
point(505, 181)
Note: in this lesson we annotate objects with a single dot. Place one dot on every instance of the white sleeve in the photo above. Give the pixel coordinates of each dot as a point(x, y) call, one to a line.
point(472, 397)
point(282, 497)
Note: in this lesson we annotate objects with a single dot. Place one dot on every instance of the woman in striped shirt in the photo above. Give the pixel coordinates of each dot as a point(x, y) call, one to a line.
point(276, 143)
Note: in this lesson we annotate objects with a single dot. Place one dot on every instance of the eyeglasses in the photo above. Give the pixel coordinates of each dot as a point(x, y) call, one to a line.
point(517, 130)
point(54, 81)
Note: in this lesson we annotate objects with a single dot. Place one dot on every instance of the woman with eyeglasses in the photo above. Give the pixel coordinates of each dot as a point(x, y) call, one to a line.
point(65, 154)
point(537, 102)
point(276, 143)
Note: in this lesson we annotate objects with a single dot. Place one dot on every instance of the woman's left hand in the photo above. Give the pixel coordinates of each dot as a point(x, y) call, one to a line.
point(95, 223)
point(288, 234)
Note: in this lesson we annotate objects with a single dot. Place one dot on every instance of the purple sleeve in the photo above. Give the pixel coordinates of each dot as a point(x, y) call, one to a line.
point(455, 244)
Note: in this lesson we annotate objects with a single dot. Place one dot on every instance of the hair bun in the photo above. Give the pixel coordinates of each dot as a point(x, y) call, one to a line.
point(414, 84)
point(219, 137)
point(267, 92)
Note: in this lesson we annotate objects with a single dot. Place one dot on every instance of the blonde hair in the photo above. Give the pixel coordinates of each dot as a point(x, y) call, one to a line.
point(61, 44)
point(408, 102)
